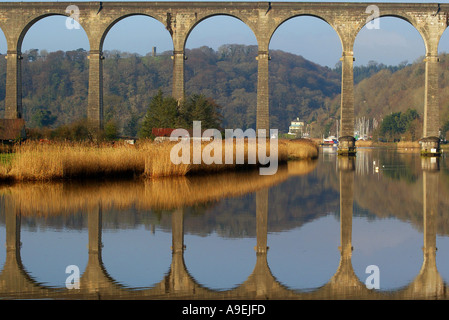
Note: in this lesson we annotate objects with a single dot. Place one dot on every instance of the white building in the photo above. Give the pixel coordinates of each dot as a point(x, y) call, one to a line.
point(296, 127)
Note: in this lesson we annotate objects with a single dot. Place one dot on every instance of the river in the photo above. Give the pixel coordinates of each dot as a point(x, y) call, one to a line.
point(370, 227)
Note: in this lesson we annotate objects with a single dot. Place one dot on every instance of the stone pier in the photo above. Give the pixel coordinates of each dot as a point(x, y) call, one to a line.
point(263, 18)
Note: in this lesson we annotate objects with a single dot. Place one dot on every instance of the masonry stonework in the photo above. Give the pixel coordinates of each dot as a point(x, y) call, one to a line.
point(263, 18)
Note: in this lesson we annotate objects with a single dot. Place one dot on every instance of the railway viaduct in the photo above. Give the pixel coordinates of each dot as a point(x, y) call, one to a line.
point(263, 18)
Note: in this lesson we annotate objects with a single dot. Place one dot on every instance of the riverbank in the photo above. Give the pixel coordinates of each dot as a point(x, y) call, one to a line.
point(399, 145)
point(37, 161)
point(378, 144)
point(68, 197)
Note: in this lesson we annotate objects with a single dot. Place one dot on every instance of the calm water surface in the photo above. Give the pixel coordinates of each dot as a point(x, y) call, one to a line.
point(309, 232)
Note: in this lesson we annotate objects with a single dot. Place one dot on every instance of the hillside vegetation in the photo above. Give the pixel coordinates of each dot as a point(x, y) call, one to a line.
point(55, 87)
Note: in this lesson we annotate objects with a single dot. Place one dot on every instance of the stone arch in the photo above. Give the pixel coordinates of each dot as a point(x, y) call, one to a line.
point(300, 34)
point(194, 25)
point(37, 18)
point(214, 280)
point(248, 87)
point(383, 14)
point(307, 15)
point(122, 17)
point(15, 37)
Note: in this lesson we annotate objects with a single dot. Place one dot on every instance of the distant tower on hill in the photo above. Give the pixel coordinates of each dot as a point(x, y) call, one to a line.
point(154, 51)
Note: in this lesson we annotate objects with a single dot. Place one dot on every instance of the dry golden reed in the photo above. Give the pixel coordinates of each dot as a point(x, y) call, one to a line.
point(364, 143)
point(408, 144)
point(301, 149)
point(54, 161)
point(35, 161)
point(65, 197)
point(399, 145)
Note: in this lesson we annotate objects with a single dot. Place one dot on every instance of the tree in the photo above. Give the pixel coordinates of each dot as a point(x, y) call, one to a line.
point(165, 112)
point(111, 130)
point(43, 118)
point(77, 131)
point(199, 108)
point(162, 113)
point(131, 127)
point(445, 128)
point(397, 124)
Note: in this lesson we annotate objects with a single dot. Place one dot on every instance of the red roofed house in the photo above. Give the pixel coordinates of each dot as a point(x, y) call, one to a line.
point(162, 132)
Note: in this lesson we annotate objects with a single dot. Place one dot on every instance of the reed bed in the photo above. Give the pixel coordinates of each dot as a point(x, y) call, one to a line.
point(301, 149)
point(59, 198)
point(34, 161)
point(364, 143)
point(158, 166)
point(408, 144)
point(398, 145)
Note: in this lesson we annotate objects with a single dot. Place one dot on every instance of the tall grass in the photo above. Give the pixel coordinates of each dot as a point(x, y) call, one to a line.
point(364, 143)
point(34, 161)
point(301, 149)
point(408, 144)
point(67, 197)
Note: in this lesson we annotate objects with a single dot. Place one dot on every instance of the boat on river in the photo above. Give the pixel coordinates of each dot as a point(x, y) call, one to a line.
point(330, 141)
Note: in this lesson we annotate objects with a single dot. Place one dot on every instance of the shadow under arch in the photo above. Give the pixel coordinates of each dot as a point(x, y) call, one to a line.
point(121, 18)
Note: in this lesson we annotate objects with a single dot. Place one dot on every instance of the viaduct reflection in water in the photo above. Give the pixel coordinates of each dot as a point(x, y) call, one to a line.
point(96, 283)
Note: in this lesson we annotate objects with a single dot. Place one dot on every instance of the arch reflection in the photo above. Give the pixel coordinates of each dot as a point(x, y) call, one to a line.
point(96, 283)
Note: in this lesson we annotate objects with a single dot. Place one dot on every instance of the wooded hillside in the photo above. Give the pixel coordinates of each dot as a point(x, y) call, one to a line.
point(55, 87)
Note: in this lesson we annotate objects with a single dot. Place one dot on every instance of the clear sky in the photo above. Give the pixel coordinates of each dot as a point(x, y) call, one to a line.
point(395, 41)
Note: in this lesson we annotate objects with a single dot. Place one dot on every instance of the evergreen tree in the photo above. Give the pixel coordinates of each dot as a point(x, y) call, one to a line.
point(131, 127)
point(43, 118)
point(199, 108)
point(396, 124)
point(162, 113)
point(111, 130)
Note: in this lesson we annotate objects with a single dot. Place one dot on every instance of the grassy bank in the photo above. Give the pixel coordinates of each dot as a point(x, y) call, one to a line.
point(34, 161)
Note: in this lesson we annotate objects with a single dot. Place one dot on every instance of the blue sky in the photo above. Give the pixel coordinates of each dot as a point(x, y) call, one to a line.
point(394, 42)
